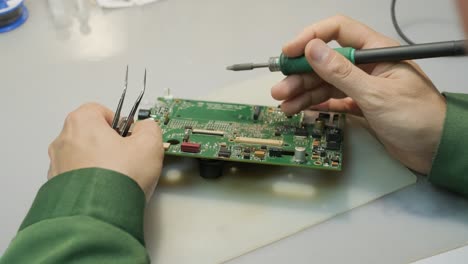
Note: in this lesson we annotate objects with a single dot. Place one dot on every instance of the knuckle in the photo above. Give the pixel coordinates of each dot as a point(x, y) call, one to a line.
point(90, 106)
point(311, 28)
point(341, 18)
point(72, 117)
point(83, 112)
point(51, 149)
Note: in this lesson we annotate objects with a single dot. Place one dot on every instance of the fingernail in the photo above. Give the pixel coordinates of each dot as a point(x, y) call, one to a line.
point(318, 50)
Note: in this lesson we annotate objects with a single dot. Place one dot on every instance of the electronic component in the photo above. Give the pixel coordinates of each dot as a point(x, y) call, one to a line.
point(334, 134)
point(324, 116)
point(316, 143)
point(144, 114)
point(287, 152)
point(210, 169)
point(258, 141)
point(224, 152)
point(190, 147)
point(186, 135)
point(275, 152)
point(301, 132)
point(256, 112)
point(318, 127)
point(300, 154)
point(259, 154)
point(334, 138)
point(208, 132)
point(166, 118)
point(333, 145)
point(315, 155)
point(336, 119)
point(166, 145)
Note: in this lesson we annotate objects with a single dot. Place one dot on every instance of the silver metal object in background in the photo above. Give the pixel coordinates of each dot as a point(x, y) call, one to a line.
point(124, 127)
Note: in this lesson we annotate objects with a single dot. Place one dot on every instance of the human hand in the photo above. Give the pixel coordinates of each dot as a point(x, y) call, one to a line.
point(88, 140)
point(401, 105)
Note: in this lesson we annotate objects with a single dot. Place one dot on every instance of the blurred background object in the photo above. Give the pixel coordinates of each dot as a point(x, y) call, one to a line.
point(13, 13)
point(123, 3)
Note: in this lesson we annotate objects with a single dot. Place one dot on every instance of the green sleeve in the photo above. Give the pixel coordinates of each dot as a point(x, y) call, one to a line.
point(88, 215)
point(450, 164)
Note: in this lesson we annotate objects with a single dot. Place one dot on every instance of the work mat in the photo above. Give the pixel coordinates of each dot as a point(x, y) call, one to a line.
point(195, 220)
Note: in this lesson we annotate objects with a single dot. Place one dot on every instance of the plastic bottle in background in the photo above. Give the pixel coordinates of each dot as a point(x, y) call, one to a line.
point(60, 13)
point(82, 14)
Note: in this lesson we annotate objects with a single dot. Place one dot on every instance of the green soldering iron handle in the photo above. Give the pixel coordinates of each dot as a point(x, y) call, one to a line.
point(388, 54)
point(289, 66)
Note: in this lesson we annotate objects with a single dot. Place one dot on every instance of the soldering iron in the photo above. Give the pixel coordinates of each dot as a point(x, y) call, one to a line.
point(297, 65)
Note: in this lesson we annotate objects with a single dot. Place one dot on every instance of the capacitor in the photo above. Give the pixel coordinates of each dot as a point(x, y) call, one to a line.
point(299, 154)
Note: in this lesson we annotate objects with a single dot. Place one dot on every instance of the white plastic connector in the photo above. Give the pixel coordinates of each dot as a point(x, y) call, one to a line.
point(167, 94)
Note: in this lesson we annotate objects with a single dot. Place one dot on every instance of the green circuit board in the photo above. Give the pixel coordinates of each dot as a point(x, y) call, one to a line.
point(249, 133)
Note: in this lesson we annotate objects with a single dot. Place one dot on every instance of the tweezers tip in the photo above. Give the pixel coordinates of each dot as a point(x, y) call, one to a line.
point(126, 78)
point(144, 82)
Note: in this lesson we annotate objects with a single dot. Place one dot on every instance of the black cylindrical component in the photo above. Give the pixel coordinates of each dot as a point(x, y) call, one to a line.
point(211, 169)
point(411, 52)
point(144, 114)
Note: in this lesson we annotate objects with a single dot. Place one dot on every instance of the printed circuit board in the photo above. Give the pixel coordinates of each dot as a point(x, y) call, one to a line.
point(249, 133)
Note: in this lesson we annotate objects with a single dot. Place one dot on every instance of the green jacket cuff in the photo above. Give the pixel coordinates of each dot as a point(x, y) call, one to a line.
point(450, 164)
point(103, 194)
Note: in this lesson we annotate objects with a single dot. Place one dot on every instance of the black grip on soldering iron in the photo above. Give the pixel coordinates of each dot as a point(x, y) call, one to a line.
point(411, 52)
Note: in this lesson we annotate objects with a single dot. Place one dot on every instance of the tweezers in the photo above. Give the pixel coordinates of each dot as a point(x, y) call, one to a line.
point(124, 128)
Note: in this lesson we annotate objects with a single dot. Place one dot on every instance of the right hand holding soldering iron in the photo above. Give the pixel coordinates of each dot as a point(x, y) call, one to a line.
point(401, 105)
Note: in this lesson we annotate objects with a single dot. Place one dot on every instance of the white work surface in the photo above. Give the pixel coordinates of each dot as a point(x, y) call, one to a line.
point(49, 69)
point(455, 256)
point(212, 221)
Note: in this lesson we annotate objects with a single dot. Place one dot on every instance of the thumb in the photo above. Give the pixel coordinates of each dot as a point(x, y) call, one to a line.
point(335, 69)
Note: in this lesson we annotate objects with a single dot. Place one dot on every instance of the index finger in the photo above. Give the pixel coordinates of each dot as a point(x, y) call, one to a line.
point(346, 31)
point(94, 110)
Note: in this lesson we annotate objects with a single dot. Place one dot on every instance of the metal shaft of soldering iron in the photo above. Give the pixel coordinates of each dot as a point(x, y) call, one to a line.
point(247, 66)
point(391, 54)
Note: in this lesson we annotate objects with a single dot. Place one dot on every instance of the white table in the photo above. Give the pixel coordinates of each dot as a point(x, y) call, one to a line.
point(48, 69)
